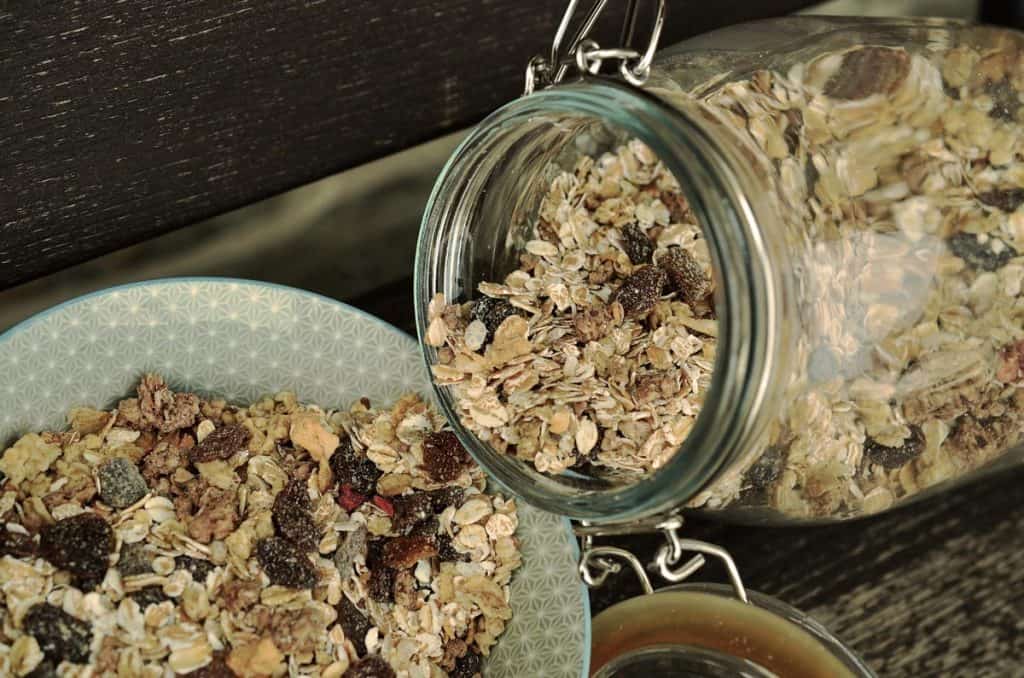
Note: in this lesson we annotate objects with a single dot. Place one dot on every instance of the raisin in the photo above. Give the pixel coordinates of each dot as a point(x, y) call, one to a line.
point(981, 255)
point(868, 70)
point(766, 469)
point(217, 668)
point(87, 583)
point(446, 551)
point(402, 552)
point(426, 528)
point(1005, 199)
point(492, 312)
point(148, 595)
point(285, 564)
point(445, 497)
point(685, 276)
point(16, 544)
point(895, 457)
point(349, 468)
point(444, 458)
point(638, 246)
point(59, 635)
point(293, 518)
point(382, 583)
point(469, 665)
point(45, 669)
point(80, 544)
point(121, 484)
point(640, 291)
point(354, 623)
point(194, 566)
point(221, 443)
point(410, 510)
point(371, 666)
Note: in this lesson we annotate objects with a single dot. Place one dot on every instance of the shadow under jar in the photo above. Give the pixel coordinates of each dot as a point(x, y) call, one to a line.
point(858, 184)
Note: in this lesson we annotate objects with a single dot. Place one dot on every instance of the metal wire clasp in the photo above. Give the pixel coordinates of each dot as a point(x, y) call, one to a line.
point(597, 563)
point(587, 56)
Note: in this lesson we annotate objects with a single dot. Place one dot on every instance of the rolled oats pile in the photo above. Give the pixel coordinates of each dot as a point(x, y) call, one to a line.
point(176, 535)
point(901, 182)
point(597, 351)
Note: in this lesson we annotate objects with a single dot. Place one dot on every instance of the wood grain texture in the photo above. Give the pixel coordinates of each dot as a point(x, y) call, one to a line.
point(932, 589)
point(122, 120)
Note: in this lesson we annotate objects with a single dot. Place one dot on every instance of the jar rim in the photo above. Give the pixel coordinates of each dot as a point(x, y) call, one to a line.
point(745, 296)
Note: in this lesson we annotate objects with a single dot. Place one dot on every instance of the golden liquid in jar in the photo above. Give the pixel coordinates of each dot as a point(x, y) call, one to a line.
point(715, 622)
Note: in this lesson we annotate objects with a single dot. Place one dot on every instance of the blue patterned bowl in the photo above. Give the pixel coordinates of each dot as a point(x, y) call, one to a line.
point(242, 340)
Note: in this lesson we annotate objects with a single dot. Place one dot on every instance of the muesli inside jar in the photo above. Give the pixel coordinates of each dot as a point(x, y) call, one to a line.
point(899, 179)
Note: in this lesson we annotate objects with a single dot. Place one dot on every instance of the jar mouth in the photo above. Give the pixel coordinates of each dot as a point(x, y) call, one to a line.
point(494, 168)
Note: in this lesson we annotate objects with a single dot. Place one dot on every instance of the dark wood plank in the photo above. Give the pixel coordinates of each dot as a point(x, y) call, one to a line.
point(120, 121)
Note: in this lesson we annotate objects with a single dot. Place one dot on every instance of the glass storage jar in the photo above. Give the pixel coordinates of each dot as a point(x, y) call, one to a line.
point(858, 184)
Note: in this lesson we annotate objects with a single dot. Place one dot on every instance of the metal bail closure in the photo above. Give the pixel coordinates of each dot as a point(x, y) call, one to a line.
point(598, 562)
point(587, 56)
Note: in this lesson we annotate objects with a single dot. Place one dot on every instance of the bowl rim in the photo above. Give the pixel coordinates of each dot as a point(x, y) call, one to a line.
point(46, 313)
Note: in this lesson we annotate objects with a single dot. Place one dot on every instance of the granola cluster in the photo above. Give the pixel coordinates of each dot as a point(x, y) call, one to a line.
point(900, 179)
point(176, 535)
point(597, 351)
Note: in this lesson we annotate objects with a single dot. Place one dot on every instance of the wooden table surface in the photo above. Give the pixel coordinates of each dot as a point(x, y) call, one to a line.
point(932, 589)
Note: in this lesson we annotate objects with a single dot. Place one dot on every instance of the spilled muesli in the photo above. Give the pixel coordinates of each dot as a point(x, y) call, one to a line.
point(177, 535)
point(598, 350)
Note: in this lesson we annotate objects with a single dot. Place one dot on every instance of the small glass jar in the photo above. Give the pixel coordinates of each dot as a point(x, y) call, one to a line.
point(858, 183)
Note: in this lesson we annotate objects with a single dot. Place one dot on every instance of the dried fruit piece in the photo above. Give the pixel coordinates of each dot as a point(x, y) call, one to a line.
point(445, 497)
point(766, 469)
point(384, 505)
point(640, 291)
point(685, 275)
point(354, 623)
point(148, 595)
point(637, 245)
point(16, 544)
point(403, 552)
point(194, 566)
point(444, 458)
point(469, 665)
point(60, 636)
point(164, 410)
point(369, 667)
point(80, 544)
point(868, 70)
point(293, 518)
point(349, 499)
point(353, 469)
point(446, 551)
point(990, 255)
point(46, 669)
point(285, 564)
point(1005, 199)
point(492, 312)
point(121, 484)
point(382, 583)
point(895, 457)
point(222, 443)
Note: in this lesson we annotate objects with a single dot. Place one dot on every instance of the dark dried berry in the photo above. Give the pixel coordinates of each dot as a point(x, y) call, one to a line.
point(354, 623)
point(766, 470)
point(194, 566)
point(45, 669)
point(353, 469)
point(16, 544)
point(492, 312)
point(221, 443)
point(979, 254)
point(446, 551)
point(444, 457)
point(445, 497)
point(469, 665)
point(426, 528)
point(86, 584)
point(80, 544)
point(382, 583)
point(868, 70)
point(285, 564)
point(895, 457)
point(640, 291)
point(402, 552)
point(148, 595)
point(384, 504)
point(217, 668)
point(371, 666)
point(685, 276)
point(638, 246)
point(293, 518)
point(121, 484)
point(59, 635)
point(134, 559)
point(1005, 199)
point(349, 499)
